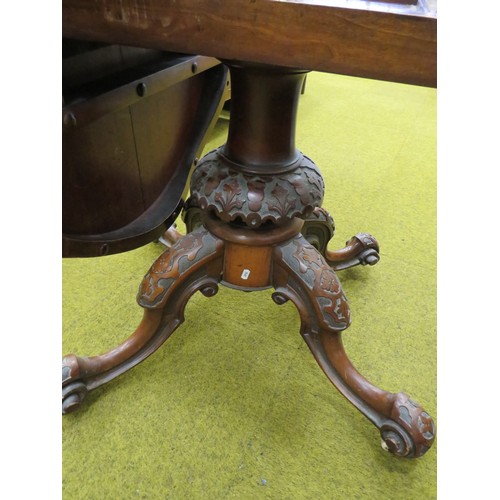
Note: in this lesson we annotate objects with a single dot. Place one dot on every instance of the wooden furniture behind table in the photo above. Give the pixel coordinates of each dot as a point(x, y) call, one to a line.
point(254, 216)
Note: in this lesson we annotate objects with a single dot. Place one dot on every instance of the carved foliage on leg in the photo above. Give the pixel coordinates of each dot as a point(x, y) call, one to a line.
point(302, 275)
point(188, 254)
point(301, 267)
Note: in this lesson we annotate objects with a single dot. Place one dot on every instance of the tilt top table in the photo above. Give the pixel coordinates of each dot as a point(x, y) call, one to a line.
point(254, 216)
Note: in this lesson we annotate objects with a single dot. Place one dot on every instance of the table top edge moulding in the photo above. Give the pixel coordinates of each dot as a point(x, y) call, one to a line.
point(387, 41)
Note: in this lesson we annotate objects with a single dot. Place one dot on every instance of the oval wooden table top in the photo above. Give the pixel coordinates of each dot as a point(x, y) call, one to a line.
point(393, 40)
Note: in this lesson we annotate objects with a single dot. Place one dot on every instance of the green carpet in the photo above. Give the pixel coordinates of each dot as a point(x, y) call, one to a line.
point(234, 405)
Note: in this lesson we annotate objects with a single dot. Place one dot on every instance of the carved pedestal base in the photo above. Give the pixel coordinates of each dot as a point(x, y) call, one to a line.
point(255, 221)
point(277, 257)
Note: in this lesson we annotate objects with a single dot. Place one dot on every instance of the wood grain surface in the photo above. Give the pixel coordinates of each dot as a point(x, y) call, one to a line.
point(384, 41)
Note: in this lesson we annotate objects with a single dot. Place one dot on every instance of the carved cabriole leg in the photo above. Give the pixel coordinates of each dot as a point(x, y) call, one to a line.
point(302, 275)
point(407, 430)
point(193, 263)
point(301, 270)
point(361, 249)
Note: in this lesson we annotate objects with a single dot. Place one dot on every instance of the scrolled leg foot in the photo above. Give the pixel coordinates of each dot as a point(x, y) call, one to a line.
point(407, 430)
point(303, 276)
point(73, 389)
point(73, 396)
point(193, 263)
point(83, 374)
point(362, 249)
point(410, 432)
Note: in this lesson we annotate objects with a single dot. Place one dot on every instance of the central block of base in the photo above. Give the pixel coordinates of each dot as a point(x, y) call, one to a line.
point(246, 266)
point(248, 252)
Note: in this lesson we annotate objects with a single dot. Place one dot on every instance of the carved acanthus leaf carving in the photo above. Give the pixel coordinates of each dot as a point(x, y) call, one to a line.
point(218, 187)
point(174, 262)
point(320, 283)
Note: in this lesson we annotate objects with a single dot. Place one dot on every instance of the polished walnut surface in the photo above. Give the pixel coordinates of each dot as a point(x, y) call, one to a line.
point(255, 218)
point(380, 40)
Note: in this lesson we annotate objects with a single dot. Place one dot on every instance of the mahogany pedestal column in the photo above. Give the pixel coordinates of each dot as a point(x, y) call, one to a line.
point(255, 221)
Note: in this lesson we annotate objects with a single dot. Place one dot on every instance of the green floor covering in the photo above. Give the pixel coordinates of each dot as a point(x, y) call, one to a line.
point(234, 405)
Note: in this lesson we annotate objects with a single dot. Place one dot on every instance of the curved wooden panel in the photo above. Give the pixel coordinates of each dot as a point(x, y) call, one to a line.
point(128, 151)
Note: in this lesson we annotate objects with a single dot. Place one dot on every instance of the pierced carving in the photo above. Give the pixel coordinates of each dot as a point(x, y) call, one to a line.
point(218, 187)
